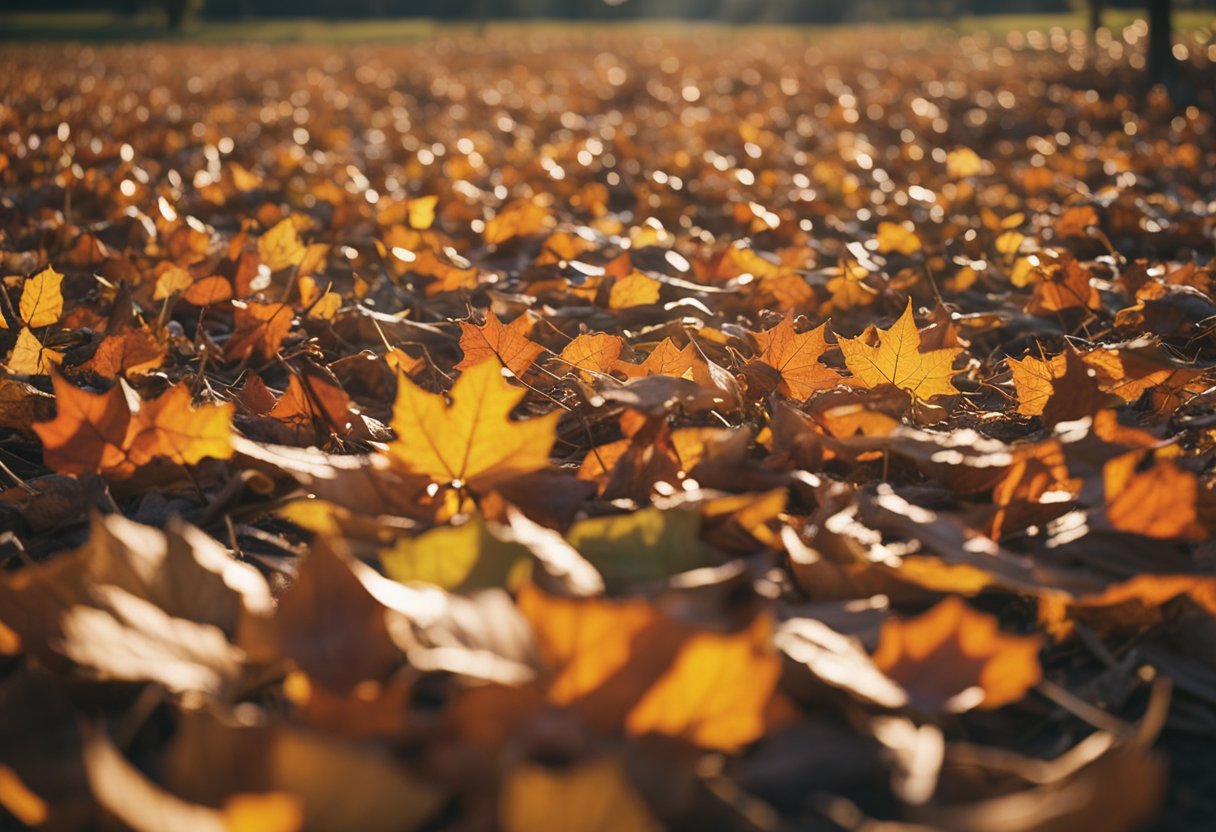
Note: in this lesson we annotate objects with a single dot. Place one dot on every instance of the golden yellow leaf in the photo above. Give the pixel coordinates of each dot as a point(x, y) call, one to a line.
point(29, 357)
point(894, 238)
point(473, 440)
point(42, 299)
point(1158, 502)
point(715, 692)
point(596, 353)
point(519, 219)
point(172, 280)
point(963, 162)
point(634, 290)
point(1034, 380)
point(421, 212)
point(898, 360)
point(280, 247)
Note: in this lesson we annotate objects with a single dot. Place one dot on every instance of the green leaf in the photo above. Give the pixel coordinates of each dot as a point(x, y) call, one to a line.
point(462, 558)
point(644, 546)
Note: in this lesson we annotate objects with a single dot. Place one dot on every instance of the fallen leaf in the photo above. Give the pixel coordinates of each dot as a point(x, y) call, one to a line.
point(473, 441)
point(42, 299)
point(953, 658)
point(796, 357)
point(506, 345)
point(898, 360)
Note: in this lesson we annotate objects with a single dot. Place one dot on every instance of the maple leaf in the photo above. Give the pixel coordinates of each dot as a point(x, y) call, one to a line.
point(1158, 502)
point(115, 432)
point(260, 328)
point(508, 345)
point(170, 427)
point(134, 352)
point(594, 353)
point(473, 440)
point(796, 357)
point(208, 291)
point(898, 360)
point(1063, 286)
point(953, 658)
point(626, 663)
point(89, 429)
point(29, 357)
point(519, 219)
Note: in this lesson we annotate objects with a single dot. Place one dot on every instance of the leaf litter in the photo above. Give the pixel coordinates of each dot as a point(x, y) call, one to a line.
point(541, 432)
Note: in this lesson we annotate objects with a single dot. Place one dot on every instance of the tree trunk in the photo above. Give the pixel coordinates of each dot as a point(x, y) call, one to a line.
point(1161, 65)
point(1095, 17)
point(176, 12)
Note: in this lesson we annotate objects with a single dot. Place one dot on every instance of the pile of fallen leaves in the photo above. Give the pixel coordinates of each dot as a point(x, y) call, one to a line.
point(559, 431)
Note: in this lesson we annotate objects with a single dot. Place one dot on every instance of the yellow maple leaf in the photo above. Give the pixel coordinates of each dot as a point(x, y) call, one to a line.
point(593, 352)
point(1034, 379)
point(898, 360)
point(795, 355)
point(473, 440)
point(42, 299)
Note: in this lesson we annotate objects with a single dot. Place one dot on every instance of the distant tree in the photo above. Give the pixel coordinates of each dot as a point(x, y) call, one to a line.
point(1161, 65)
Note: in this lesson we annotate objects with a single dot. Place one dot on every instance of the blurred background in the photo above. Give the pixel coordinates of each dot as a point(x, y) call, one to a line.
point(178, 12)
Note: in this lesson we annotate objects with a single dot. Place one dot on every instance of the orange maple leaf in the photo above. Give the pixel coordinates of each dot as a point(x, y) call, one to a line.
point(625, 662)
point(115, 432)
point(898, 360)
point(509, 344)
point(260, 328)
point(473, 440)
point(953, 658)
point(796, 357)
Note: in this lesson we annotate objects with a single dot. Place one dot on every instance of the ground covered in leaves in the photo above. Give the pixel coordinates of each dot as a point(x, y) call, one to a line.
point(571, 431)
